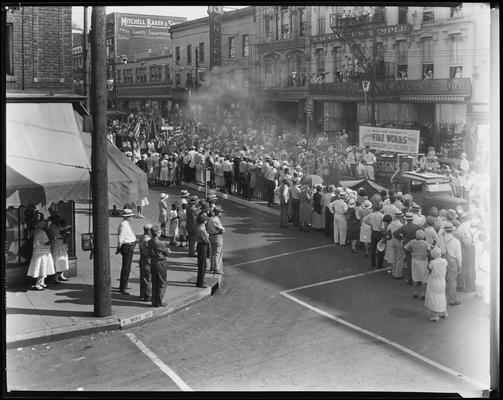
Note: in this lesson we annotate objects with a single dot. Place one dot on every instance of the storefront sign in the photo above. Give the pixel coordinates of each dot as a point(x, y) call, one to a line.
point(143, 25)
point(360, 33)
point(404, 141)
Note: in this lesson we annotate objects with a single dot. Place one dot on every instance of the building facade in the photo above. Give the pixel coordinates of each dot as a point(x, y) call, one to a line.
point(281, 73)
point(432, 71)
point(39, 49)
point(213, 77)
point(144, 42)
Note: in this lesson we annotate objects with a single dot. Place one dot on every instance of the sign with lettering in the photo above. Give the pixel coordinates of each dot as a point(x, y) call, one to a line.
point(144, 25)
point(361, 33)
point(136, 319)
point(404, 141)
point(215, 22)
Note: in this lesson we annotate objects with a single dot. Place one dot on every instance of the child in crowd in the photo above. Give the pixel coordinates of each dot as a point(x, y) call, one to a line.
point(419, 248)
point(173, 224)
point(435, 289)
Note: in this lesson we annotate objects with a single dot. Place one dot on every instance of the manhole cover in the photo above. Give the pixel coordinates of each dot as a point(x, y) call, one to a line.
point(402, 313)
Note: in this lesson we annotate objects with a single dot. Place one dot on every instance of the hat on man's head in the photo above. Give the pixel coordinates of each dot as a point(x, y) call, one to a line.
point(367, 205)
point(399, 194)
point(218, 210)
point(211, 197)
point(164, 196)
point(415, 207)
point(155, 230)
point(409, 216)
point(448, 226)
point(194, 199)
point(127, 212)
point(399, 214)
point(204, 206)
point(184, 193)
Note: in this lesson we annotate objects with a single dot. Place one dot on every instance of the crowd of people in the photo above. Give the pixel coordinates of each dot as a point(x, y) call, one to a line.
point(262, 164)
point(194, 224)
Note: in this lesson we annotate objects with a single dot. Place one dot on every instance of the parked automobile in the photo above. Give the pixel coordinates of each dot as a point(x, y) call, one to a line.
point(430, 190)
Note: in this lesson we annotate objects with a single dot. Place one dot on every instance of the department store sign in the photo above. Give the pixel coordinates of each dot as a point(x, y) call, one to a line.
point(362, 33)
point(453, 87)
point(404, 141)
point(148, 25)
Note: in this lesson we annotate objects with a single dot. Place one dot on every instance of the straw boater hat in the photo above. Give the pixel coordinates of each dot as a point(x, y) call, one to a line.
point(127, 212)
point(415, 207)
point(409, 216)
point(448, 226)
point(212, 197)
point(164, 195)
point(194, 199)
point(367, 205)
point(399, 214)
point(184, 193)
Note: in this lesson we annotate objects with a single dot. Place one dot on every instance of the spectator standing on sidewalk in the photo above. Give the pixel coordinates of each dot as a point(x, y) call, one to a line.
point(158, 251)
point(419, 248)
point(339, 209)
point(145, 272)
point(59, 248)
point(192, 212)
point(41, 263)
point(202, 239)
point(163, 213)
point(435, 288)
point(284, 199)
point(126, 240)
point(215, 231)
point(374, 220)
point(294, 198)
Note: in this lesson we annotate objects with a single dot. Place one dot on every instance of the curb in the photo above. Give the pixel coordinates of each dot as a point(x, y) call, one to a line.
point(111, 323)
point(232, 198)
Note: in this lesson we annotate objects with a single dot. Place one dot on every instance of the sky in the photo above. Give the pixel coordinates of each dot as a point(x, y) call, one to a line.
point(190, 12)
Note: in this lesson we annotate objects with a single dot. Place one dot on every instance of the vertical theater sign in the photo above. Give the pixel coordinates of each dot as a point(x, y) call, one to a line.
point(215, 19)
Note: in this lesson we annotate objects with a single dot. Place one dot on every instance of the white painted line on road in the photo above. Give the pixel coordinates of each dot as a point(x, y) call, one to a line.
point(335, 280)
point(390, 342)
point(164, 368)
point(281, 255)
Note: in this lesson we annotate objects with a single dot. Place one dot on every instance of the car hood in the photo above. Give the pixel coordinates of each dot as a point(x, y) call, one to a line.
point(446, 199)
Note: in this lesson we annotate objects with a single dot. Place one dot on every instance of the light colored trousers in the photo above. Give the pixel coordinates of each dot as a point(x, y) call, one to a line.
point(340, 228)
point(216, 252)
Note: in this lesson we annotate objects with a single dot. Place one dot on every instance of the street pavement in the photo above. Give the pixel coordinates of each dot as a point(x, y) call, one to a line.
point(295, 312)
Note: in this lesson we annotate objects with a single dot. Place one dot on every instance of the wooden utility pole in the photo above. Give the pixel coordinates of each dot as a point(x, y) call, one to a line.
point(197, 67)
point(85, 53)
point(373, 83)
point(99, 166)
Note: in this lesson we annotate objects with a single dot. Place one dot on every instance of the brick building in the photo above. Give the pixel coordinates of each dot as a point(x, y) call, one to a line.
point(39, 49)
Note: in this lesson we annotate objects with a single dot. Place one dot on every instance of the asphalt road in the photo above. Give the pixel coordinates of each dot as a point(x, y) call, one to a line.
point(265, 330)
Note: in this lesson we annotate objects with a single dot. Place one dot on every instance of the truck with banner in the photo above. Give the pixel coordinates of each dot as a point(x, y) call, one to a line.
point(395, 150)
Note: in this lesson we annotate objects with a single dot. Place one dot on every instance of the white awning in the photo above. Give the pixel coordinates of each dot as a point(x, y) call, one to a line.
point(46, 161)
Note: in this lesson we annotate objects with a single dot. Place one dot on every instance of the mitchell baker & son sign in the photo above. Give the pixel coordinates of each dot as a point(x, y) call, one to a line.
point(404, 141)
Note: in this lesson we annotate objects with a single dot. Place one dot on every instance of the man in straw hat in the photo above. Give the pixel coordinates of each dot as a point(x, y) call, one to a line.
point(407, 233)
point(192, 212)
point(126, 240)
point(451, 250)
point(158, 251)
point(216, 230)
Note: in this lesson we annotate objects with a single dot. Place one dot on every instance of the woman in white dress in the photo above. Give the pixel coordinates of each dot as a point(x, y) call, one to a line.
point(41, 263)
point(164, 171)
point(365, 229)
point(435, 298)
point(59, 249)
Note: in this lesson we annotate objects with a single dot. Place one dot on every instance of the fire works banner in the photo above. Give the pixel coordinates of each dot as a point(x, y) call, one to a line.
point(405, 141)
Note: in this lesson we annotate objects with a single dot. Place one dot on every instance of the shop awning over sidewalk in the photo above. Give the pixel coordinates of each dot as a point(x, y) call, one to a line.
point(127, 183)
point(46, 160)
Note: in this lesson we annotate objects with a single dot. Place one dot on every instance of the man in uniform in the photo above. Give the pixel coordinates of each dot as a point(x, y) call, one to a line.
point(158, 251)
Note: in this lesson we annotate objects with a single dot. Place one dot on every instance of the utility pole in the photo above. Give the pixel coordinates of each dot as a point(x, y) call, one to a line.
point(85, 53)
point(373, 82)
point(99, 166)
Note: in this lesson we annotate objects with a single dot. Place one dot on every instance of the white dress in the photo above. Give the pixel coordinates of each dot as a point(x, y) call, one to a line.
point(41, 263)
point(435, 298)
point(59, 249)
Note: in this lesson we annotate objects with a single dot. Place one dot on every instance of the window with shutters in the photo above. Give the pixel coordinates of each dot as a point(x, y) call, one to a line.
point(402, 59)
point(201, 52)
point(428, 14)
point(189, 54)
point(232, 47)
point(177, 55)
point(427, 58)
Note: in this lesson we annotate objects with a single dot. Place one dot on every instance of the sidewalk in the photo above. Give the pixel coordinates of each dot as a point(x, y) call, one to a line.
point(67, 310)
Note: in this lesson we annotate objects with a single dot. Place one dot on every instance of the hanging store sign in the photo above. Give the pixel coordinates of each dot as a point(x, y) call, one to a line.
point(405, 141)
point(215, 22)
